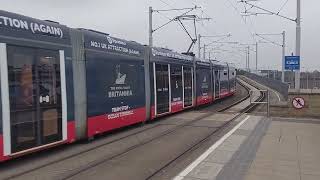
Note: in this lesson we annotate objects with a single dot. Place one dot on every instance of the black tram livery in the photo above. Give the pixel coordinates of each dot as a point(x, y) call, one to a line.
point(60, 84)
point(222, 77)
point(114, 82)
point(232, 79)
point(204, 78)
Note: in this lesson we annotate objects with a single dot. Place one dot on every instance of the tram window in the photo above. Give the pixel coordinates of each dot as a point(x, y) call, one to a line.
point(22, 96)
point(21, 77)
point(49, 77)
point(35, 97)
point(176, 82)
point(187, 86)
point(162, 84)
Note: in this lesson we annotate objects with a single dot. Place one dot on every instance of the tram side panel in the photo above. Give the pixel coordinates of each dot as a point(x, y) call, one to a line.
point(224, 82)
point(176, 88)
point(188, 86)
point(232, 79)
point(2, 156)
point(152, 93)
point(216, 82)
point(147, 82)
point(115, 84)
point(160, 93)
point(36, 88)
point(203, 83)
point(79, 82)
point(71, 126)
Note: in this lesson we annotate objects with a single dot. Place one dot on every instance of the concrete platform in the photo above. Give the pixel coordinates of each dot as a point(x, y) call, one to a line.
point(262, 149)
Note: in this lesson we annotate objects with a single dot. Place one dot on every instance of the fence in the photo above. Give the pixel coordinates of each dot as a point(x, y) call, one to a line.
point(308, 80)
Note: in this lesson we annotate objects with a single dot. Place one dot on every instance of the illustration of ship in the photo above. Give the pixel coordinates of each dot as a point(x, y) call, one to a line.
point(121, 78)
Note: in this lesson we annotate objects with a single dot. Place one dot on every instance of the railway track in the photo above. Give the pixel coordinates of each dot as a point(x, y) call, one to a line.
point(198, 144)
point(194, 146)
point(72, 173)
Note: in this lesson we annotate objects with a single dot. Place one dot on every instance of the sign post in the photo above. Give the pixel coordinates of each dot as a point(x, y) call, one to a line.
point(292, 63)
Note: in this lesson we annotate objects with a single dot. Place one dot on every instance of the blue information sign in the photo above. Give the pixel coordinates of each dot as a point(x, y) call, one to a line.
point(292, 63)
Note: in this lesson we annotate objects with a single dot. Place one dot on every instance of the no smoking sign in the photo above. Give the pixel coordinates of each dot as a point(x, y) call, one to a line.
point(298, 102)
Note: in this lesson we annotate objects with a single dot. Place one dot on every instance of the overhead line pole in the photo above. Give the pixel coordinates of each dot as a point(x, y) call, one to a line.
point(298, 43)
point(204, 51)
point(199, 45)
point(248, 58)
point(247, 50)
point(256, 57)
point(283, 55)
point(150, 27)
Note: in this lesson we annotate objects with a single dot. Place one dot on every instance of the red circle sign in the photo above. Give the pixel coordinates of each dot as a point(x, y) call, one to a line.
point(298, 102)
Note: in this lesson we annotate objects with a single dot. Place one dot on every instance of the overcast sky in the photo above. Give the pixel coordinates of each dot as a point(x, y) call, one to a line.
point(128, 19)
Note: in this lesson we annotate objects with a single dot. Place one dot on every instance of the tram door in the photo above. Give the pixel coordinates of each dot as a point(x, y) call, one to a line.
point(35, 97)
point(188, 83)
point(217, 83)
point(162, 87)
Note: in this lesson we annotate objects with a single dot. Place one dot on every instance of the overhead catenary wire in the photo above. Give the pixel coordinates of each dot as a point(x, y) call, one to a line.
point(179, 19)
point(178, 22)
point(217, 41)
point(207, 31)
point(284, 4)
point(164, 2)
point(182, 17)
point(174, 8)
point(243, 19)
point(266, 10)
point(268, 40)
point(171, 20)
point(203, 12)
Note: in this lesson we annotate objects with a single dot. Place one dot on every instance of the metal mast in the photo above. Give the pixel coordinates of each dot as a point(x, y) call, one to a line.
point(283, 55)
point(298, 43)
point(256, 57)
point(150, 27)
point(248, 58)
